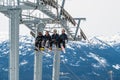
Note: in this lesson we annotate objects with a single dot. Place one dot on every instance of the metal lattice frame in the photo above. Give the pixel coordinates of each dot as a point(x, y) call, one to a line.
point(13, 10)
point(41, 6)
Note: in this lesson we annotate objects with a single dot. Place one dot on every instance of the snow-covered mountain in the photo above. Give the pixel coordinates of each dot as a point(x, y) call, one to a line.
point(82, 60)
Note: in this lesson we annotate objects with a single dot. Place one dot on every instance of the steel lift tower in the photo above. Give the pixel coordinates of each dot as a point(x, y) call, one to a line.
point(55, 14)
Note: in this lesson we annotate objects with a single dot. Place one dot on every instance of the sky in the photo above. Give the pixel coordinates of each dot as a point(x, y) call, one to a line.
point(102, 17)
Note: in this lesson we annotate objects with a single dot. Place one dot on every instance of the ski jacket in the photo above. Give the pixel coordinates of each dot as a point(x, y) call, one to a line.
point(39, 38)
point(63, 37)
point(47, 38)
point(55, 37)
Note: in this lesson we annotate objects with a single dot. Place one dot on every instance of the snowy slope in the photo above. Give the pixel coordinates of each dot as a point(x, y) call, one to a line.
point(82, 60)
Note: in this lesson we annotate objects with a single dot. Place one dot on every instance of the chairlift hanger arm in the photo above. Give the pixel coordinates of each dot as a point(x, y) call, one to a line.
point(63, 3)
point(78, 25)
point(79, 18)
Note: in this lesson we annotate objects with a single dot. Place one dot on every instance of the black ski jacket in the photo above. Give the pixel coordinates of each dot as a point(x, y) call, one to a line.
point(55, 37)
point(47, 38)
point(63, 37)
point(39, 38)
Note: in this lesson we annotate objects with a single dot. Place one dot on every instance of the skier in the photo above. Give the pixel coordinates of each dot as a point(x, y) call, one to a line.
point(39, 42)
point(62, 39)
point(55, 38)
point(47, 39)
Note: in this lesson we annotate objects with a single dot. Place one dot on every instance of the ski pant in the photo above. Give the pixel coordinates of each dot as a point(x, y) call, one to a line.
point(54, 42)
point(61, 42)
point(49, 44)
point(39, 44)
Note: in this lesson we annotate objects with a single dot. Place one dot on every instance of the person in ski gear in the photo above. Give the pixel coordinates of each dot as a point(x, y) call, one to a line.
point(47, 39)
point(63, 39)
point(55, 38)
point(38, 41)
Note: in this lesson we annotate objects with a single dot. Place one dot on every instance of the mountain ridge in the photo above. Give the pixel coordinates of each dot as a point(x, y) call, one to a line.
point(82, 60)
